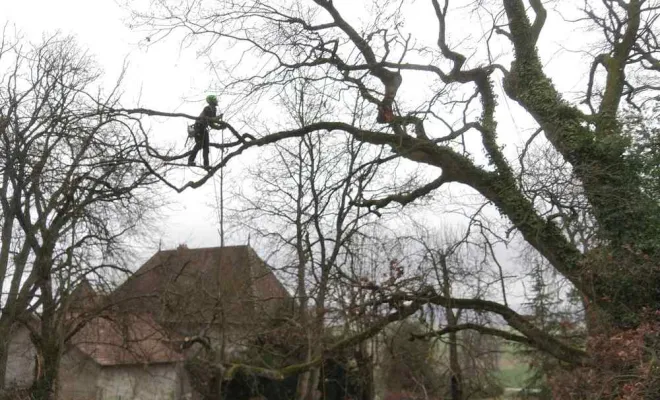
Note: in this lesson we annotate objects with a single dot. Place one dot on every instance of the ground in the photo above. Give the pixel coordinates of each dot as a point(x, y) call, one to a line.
point(513, 373)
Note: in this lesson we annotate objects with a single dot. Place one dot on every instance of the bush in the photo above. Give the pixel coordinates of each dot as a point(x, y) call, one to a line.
point(410, 367)
point(625, 367)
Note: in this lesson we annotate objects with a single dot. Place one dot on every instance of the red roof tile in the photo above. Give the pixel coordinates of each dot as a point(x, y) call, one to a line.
point(126, 339)
point(83, 297)
point(199, 285)
point(176, 286)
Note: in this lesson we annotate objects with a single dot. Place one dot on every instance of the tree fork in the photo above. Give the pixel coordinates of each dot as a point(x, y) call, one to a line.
point(627, 216)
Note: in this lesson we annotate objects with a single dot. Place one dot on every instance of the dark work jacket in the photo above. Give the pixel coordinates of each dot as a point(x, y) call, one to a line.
point(205, 117)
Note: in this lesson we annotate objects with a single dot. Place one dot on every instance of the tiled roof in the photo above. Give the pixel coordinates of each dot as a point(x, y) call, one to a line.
point(200, 285)
point(126, 339)
point(83, 297)
point(174, 286)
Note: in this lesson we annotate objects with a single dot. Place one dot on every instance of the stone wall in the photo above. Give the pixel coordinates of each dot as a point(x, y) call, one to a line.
point(81, 378)
point(135, 382)
point(78, 377)
point(20, 359)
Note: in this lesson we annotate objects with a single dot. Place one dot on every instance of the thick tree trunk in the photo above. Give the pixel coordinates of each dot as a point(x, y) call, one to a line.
point(312, 384)
point(302, 389)
point(47, 342)
point(625, 213)
point(4, 348)
point(623, 278)
point(45, 383)
point(365, 367)
point(308, 381)
point(311, 377)
point(456, 376)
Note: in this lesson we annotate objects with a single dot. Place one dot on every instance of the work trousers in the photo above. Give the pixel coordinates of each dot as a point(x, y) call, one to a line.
point(201, 142)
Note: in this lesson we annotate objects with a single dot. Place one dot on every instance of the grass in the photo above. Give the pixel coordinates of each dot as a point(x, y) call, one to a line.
point(513, 370)
point(514, 376)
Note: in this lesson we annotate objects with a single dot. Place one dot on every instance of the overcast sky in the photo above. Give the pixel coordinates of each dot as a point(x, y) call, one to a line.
point(168, 78)
point(162, 77)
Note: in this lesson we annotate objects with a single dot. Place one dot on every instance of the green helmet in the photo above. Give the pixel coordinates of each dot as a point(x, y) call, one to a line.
point(212, 100)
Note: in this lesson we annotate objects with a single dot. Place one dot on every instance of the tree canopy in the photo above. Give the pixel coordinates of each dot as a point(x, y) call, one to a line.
point(443, 86)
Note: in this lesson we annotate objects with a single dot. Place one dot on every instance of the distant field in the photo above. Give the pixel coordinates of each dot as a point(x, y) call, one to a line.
point(514, 376)
point(513, 372)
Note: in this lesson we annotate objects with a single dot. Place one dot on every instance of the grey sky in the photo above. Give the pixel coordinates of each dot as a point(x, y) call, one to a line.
point(161, 77)
point(169, 78)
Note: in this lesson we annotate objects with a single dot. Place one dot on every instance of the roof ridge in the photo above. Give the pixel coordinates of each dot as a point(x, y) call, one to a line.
point(204, 248)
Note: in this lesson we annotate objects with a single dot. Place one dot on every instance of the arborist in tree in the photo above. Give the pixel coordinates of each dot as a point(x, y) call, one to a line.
point(200, 130)
point(392, 81)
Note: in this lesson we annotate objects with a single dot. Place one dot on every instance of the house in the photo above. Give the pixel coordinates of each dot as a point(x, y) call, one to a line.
point(113, 356)
point(133, 349)
point(221, 290)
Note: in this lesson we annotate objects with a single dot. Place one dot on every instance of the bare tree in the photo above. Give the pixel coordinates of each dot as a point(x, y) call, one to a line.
point(303, 206)
point(464, 265)
point(374, 60)
point(74, 189)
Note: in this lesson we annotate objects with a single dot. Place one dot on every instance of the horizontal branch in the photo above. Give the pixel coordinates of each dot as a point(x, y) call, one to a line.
point(405, 198)
point(484, 330)
point(542, 340)
point(151, 113)
point(533, 336)
point(280, 374)
point(542, 234)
